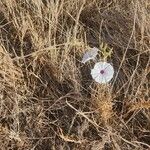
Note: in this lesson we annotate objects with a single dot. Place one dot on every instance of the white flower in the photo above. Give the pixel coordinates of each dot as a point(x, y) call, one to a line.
point(91, 54)
point(102, 72)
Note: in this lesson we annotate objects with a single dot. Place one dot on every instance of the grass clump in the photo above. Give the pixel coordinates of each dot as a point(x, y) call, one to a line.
point(48, 99)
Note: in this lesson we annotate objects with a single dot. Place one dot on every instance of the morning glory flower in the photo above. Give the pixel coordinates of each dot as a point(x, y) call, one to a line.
point(91, 54)
point(102, 72)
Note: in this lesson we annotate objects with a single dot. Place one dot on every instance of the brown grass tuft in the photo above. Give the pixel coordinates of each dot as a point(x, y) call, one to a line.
point(48, 99)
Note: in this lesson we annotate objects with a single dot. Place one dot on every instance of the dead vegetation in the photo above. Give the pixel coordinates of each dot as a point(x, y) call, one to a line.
point(48, 99)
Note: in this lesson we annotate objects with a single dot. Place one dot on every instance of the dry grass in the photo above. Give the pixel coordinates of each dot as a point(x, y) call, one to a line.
point(48, 99)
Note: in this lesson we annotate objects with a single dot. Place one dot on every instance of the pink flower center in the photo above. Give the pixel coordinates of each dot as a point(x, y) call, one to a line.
point(102, 72)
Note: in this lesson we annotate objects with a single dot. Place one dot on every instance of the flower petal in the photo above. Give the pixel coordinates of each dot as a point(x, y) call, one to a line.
point(94, 73)
point(91, 54)
point(108, 72)
point(99, 79)
point(98, 66)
